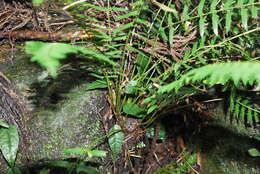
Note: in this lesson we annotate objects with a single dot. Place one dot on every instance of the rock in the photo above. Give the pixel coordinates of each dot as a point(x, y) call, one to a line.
point(225, 146)
point(61, 113)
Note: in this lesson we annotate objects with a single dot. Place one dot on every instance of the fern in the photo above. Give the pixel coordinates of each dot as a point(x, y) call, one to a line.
point(49, 55)
point(154, 42)
point(245, 72)
point(243, 109)
point(224, 10)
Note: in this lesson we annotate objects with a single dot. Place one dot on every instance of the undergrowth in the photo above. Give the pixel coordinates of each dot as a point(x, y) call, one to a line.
point(153, 55)
point(169, 52)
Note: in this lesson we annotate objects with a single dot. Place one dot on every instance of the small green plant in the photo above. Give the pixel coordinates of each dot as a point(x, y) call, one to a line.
point(115, 140)
point(72, 167)
point(253, 151)
point(183, 165)
point(9, 145)
point(79, 166)
point(85, 151)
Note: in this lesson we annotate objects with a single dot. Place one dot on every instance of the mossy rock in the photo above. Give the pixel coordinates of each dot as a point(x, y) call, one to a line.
point(225, 144)
point(61, 113)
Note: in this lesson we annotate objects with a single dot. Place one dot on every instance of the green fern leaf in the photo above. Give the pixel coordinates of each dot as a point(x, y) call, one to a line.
point(215, 17)
point(240, 3)
point(202, 19)
point(244, 16)
point(172, 30)
point(129, 14)
point(256, 117)
point(119, 9)
point(102, 9)
point(246, 72)
point(200, 7)
point(237, 107)
point(243, 13)
point(194, 48)
point(144, 22)
point(215, 21)
point(202, 22)
point(137, 3)
point(201, 45)
point(152, 108)
point(228, 20)
point(250, 117)
point(232, 100)
point(185, 13)
point(243, 109)
point(98, 84)
point(124, 27)
point(254, 9)
point(49, 55)
point(228, 17)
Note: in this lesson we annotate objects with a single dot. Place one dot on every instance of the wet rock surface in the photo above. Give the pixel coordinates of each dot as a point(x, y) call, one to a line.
point(224, 146)
point(60, 113)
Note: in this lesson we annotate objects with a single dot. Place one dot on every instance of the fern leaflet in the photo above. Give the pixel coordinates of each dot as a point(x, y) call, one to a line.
point(243, 109)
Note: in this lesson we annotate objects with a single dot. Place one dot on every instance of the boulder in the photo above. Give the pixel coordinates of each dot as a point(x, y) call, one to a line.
point(224, 146)
point(55, 114)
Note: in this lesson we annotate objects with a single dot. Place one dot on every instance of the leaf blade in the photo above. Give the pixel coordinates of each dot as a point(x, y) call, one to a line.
point(115, 140)
point(9, 143)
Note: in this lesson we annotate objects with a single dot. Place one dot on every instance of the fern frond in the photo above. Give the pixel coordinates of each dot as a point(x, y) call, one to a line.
point(244, 110)
point(223, 11)
point(245, 72)
point(137, 7)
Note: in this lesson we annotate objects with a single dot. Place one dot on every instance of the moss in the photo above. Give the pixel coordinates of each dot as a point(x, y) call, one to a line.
point(63, 114)
point(180, 167)
point(225, 147)
point(73, 123)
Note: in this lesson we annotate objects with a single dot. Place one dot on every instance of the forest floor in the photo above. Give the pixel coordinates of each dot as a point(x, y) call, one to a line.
point(20, 22)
